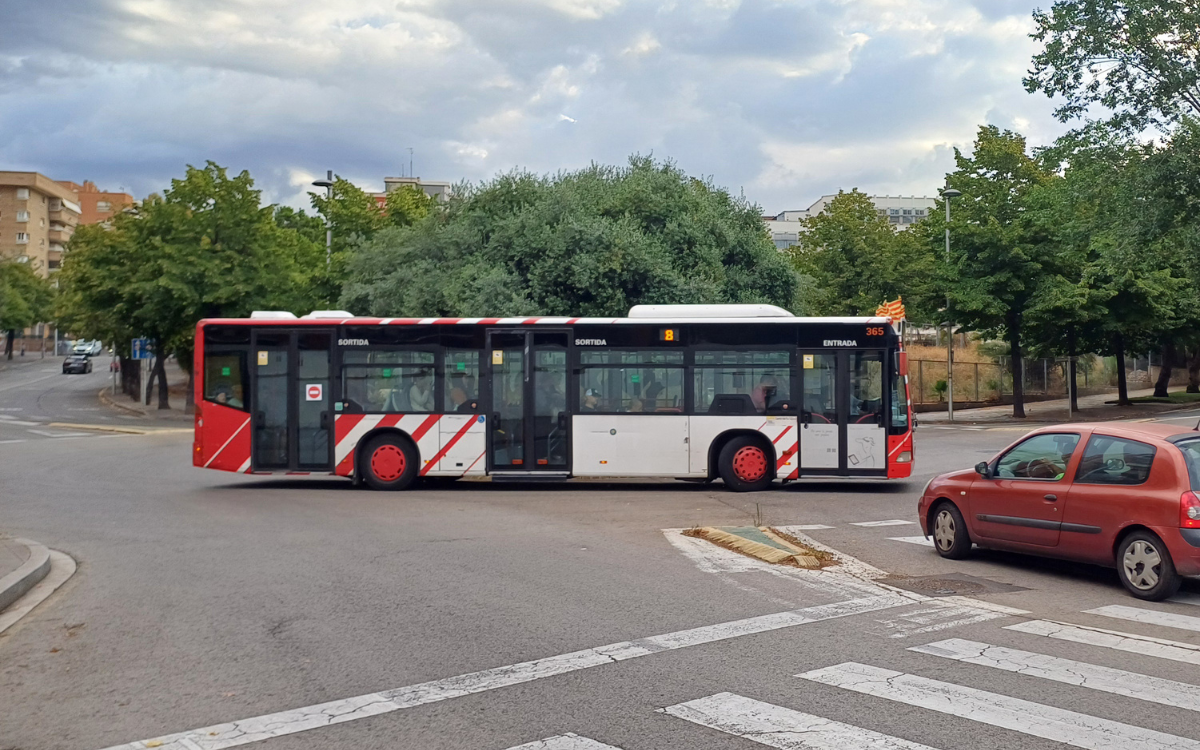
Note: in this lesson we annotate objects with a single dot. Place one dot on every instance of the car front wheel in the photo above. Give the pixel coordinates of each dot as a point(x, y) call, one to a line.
point(1146, 568)
point(950, 536)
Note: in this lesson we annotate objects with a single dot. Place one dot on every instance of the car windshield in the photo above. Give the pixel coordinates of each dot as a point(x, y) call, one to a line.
point(1191, 453)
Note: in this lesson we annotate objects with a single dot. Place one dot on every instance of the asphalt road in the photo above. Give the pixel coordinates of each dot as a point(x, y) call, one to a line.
point(205, 598)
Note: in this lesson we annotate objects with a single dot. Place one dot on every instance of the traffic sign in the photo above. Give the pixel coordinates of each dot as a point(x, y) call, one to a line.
point(141, 348)
point(313, 392)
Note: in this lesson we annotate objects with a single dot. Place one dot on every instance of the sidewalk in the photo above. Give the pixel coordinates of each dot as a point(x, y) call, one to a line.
point(177, 387)
point(1091, 409)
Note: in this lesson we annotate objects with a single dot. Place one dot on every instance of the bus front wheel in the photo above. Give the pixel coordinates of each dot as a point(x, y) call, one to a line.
point(745, 464)
point(388, 463)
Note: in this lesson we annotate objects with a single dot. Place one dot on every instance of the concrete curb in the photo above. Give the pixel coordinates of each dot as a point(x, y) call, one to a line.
point(108, 401)
point(14, 585)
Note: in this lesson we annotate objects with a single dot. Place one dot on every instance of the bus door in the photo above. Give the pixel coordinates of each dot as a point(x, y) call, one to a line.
point(530, 422)
point(291, 407)
point(842, 412)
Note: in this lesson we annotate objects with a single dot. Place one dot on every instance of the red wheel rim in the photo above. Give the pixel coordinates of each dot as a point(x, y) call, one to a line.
point(750, 464)
point(387, 463)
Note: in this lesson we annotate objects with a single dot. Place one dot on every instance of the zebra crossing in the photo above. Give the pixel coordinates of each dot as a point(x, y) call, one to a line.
point(766, 724)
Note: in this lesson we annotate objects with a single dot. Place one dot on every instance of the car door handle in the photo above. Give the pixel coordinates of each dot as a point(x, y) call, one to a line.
point(1050, 498)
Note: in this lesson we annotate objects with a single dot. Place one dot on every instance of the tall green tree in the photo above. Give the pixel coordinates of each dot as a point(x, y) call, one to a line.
point(856, 260)
point(207, 248)
point(592, 242)
point(997, 260)
point(1136, 58)
point(25, 300)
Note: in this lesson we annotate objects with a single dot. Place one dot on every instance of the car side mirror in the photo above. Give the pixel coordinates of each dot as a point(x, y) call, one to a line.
point(984, 469)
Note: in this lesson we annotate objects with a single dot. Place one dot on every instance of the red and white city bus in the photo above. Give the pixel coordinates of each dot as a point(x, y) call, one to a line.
point(745, 393)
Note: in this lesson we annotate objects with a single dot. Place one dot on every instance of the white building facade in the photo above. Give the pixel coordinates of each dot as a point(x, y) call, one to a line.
point(901, 212)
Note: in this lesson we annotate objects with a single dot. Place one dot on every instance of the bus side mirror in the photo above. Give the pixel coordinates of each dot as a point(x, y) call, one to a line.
point(902, 364)
point(983, 469)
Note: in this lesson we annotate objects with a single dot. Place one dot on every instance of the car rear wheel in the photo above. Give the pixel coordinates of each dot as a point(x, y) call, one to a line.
point(1146, 568)
point(745, 464)
point(950, 536)
point(388, 463)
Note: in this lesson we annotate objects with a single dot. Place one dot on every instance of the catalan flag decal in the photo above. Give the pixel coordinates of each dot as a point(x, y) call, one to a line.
point(893, 310)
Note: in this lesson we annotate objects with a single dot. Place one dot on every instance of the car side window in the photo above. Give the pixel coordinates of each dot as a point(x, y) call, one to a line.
point(1042, 457)
point(1114, 460)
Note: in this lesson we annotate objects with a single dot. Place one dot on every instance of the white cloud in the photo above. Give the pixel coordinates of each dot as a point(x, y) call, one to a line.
point(787, 99)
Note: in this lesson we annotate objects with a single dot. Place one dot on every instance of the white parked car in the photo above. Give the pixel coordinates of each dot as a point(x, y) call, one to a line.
point(90, 348)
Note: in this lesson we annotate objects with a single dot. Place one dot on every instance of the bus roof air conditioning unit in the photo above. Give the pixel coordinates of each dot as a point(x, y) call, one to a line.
point(708, 311)
point(323, 314)
point(272, 315)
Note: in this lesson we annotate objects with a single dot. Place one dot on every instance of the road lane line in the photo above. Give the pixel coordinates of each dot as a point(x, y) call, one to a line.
point(568, 741)
point(938, 617)
point(264, 727)
point(893, 522)
point(1148, 617)
point(923, 541)
point(811, 527)
point(1068, 671)
point(775, 726)
point(1057, 724)
point(1129, 642)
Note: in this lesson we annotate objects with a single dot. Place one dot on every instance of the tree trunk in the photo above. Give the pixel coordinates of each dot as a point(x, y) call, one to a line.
point(1164, 372)
point(1072, 390)
point(1122, 385)
point(1193, 370)
point(8, 343)
point(148, 391)
point(160, 371)
point(1018, 371)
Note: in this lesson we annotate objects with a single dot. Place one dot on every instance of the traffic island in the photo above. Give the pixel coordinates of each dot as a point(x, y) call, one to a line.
point(764, 543)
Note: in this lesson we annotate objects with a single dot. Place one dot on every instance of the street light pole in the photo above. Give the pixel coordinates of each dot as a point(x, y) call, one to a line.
point(327, 183)
point(949, 193)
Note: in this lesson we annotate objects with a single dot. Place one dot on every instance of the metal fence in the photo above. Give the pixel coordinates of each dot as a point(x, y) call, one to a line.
point(991, 382)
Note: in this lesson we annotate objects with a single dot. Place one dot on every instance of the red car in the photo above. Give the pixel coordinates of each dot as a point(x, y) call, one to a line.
point(1117, 494)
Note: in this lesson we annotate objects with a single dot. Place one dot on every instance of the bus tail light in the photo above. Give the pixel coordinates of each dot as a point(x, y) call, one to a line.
point(1189, 511)
point(905, 457)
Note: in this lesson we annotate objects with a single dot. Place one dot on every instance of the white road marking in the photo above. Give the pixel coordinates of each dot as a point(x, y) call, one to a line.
point(51, 434)
point(1148, 617)
point(934, 618)
point(893, 522)
point(1027, 717)
point(9, 419)
point(1116, 640)
point(923, 541)
point(811, 527)
point(775, 726)
point(568, 741)
point(258, 728)
point(21, 440)
point(1070, 672)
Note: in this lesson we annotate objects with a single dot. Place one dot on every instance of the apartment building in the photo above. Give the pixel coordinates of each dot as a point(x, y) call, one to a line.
point(37, 217)
point(97, 205)
point(901, 211)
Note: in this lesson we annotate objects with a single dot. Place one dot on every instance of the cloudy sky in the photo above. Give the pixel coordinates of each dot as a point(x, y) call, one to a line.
point(782, 99)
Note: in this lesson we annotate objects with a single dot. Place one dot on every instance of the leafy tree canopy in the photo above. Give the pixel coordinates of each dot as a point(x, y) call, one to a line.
point(25, 297)
point(1137, 58)
point(592, 242)
point(857, 260)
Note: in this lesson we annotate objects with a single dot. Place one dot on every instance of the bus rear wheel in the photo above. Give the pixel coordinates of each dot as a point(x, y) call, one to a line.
point(745, 464)
point(388, 463)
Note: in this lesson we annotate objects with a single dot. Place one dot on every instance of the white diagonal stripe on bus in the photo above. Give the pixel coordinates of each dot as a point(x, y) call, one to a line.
point(1068, 671)
point(245, 467)
point(347, 443)
point(1129, 642)
point(1148, 617)
point(568, 741)
point(994, 709)
point(227, 442)
point(246, 731)
point(775, 726)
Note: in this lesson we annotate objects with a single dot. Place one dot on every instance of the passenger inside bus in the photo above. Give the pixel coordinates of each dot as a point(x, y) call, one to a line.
point(764, 392)
point(420, 395)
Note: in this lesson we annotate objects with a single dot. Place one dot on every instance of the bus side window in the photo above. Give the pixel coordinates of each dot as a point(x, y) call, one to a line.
point(461, 368)
point(224, 379)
